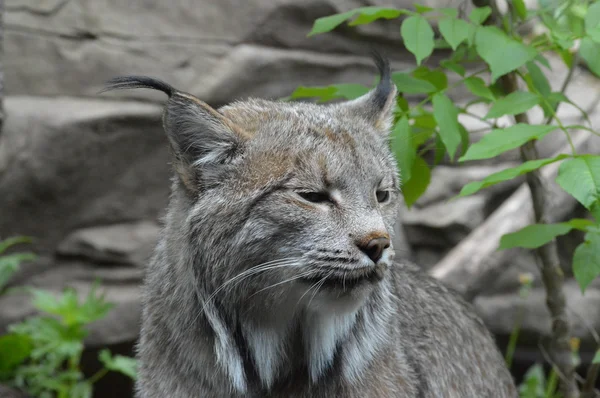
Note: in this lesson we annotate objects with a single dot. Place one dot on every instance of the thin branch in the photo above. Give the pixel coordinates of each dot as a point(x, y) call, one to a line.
point(552, 274)
point(588, 390)
point(564, 86)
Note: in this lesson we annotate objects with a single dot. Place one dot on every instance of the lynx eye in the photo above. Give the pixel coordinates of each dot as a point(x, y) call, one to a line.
point(314, 197)
point(382, 196)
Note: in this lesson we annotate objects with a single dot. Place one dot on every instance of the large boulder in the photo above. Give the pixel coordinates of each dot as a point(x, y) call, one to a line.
point(70, 163)
point(218, 50)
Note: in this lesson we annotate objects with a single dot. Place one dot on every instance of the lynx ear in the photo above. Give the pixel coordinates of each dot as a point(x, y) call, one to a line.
point(377, 105)
point(203, 141)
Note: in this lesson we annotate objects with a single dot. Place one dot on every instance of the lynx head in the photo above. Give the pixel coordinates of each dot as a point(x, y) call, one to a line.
point(283, 202)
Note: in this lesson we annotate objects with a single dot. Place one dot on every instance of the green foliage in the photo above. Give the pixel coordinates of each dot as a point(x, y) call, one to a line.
point(433, 123)
point(418, 37)
point(502, 53)
point(420, 178)
point(9, 263)
point(536, 235)
point(408, 84)
point(586, 261)
point(507, 174)
point(581, 178)
point(363, 16)
point(478, 87)
point(499, 141)
point(336, 91)
point(535, 384)
point(119, 363)
point(513, 104)
point(41, 354)
point(596, 358)
point(446, 116)
point(404, 148)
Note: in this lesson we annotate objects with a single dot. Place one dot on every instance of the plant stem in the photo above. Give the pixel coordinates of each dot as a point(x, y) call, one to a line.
point(552, 274)
point(588, 389)
point(97, 376)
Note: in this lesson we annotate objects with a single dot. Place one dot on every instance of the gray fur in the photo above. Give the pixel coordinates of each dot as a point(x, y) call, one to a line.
point(234, 302)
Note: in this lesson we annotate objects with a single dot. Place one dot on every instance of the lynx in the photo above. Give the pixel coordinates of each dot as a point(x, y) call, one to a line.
point(274, 275)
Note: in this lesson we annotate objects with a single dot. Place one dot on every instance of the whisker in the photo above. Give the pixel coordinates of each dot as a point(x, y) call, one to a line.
point(249, 272)
point(321, 282)
point(305, 293)
point(282, 282)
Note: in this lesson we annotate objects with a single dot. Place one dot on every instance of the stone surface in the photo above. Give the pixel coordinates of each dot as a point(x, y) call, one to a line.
point(69, 163)
point(127, 244)
point(444, 224)
point(218, 50)
point(500, 313)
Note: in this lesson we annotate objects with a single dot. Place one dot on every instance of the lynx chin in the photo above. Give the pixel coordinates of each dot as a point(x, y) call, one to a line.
point(274, 275)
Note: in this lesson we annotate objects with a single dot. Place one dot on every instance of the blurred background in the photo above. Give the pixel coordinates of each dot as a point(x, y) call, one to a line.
point(87, 175)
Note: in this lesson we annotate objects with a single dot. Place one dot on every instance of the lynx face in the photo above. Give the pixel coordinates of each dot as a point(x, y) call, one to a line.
point(288, 202)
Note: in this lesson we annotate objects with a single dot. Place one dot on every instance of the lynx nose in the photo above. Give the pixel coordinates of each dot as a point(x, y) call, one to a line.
point(374, 248)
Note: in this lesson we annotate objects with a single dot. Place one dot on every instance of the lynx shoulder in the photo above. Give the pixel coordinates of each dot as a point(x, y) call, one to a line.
point(275, 273)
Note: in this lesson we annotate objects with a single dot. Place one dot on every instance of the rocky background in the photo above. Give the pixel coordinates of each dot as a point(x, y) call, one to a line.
point(87, 175)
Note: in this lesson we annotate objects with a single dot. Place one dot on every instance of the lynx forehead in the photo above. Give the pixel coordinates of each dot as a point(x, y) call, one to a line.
point(274, 275)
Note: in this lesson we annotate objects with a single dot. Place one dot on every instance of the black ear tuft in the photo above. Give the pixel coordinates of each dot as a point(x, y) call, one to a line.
point(127, 82)
point(385, 87)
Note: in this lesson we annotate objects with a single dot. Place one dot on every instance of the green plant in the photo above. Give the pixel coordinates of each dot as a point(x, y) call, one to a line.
point(511, 81)
point(41, 355)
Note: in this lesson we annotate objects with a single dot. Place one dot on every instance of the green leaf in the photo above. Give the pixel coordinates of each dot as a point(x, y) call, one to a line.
point(16, 240)
point(367, 15)
point(536, 235)
point(418, 183)
point(350, 91)
point(418, 37)
point(404, 149)
point(14, 349)
point(596, 357)
point(580, 177)
point(479, 15)
point(543, 61)
point(454, 67)
point(501, 140)
point(586, 261)
point(513, 104)
point(465, 139)
point(590, 52)
point(119, 363)
point(410, 85)
point(67, 307)
point(435, 77)
point(327, 24)
point(426, 121)
point(449, 12)
point(422, 9)
point(507, 174)
point(533, 383)
point(439, 150)
point(9, 264)
point(595, 210)
point(500, 52)
point(592, 22)
point(454, 30)
point(478, 87)
point(446, 115)
point(520, 9)
point(538, 78)
point(346, 91)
